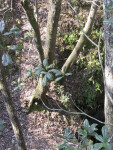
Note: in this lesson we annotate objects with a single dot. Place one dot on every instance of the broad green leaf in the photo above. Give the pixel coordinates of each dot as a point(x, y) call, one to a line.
point(68, 74)
point(2, 26)
point(86, 124)
point(49, 76)
point(92, 128)
point(58, 79)
point(16, 88)
point(19, 79)
point(82, 132)
point(98, 146)
point(99, 138)
point(15, 47)
point(38, 70)
point(58, 135)
point(107, 146)
point(21, 84)
point(91, 147)
point(105, 132)
point(51, 66)
point(62, 146)
point(7, 33)
point(55, 71)
point(44, 72)
point(45, 63)
point(59, 74)
point(6, 59)
point(15, 30)
point(44, 82)
point(14, 82)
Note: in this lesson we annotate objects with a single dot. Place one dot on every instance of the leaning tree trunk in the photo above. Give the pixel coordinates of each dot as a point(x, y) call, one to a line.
point(10, 108)
point(108, 39)
point(87, 30)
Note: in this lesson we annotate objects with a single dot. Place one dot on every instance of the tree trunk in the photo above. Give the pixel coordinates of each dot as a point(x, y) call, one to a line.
point(52, 24)
point(10, 108)
point(34, 24)
point(87, 30)
point(108, 39)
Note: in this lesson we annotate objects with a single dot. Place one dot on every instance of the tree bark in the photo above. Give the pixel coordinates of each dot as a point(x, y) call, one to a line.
point(87, 30)
point(34, 23)
point(108, 40)
point(52, 24)
point(10, 108)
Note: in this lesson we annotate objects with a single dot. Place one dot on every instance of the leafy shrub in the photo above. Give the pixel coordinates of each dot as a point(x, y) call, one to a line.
point(48, 72)
point(85, 135)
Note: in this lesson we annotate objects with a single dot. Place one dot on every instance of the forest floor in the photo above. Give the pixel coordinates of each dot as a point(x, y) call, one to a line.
point(38, 128)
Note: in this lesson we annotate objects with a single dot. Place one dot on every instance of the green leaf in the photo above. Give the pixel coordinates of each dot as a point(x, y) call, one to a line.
point(44, 82)
point(68, 74)
point(58, 135)
point(58, 79)
point(63, 146)
point(29, 75)
point(99, 138)
point(2, 26)
point(98, 146)
point(15, 47)
point(21, 84)
point(44, 72)
point(51, 66)
point(38, 70)
point(6, 59)
point(82, 132)
point(15, 30)
point(55, 71)
point(16, 88)
point(19, 79)
point(49, 76)
point(92, 128)
point(107, 146)
point(14, 82)
point(45, 63)
point(105, 132)
point(7, 33)
point(86, 124)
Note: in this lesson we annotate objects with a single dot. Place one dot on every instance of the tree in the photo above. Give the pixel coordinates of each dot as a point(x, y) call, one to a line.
point(10, 107)
point(108, 27)
point(49, 52)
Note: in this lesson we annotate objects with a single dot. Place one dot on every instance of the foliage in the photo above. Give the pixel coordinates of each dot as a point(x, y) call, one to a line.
point(64, 97)
point(49, 73)
point(85, 134)
point(18, 84)
point(6, 58)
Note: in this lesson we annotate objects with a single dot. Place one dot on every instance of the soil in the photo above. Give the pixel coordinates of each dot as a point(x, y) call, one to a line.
point(37, 127)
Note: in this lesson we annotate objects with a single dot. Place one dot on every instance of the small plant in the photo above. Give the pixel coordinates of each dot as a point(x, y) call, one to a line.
point(48, 72)
point(6, 58)
point(85, 134)
point(18, 84)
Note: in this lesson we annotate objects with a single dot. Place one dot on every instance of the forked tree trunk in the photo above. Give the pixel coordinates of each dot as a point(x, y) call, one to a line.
point(48, 53)
point(10, 108)
point(108, 39)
